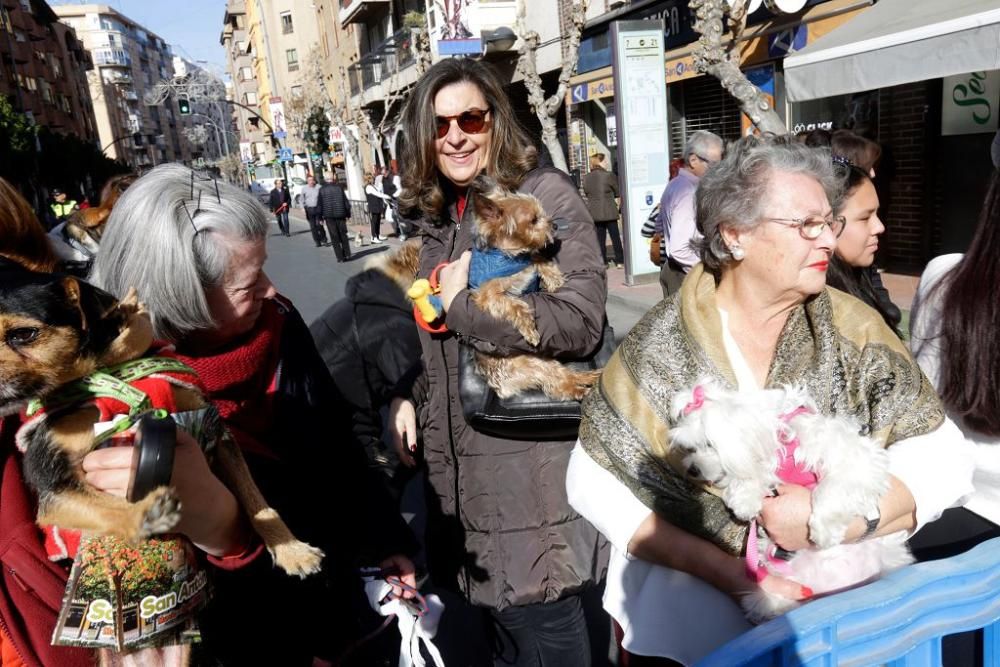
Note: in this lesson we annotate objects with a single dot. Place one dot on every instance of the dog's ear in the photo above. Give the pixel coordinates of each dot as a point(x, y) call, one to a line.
point(101, 314)
point(71, 289)
point(487, 210)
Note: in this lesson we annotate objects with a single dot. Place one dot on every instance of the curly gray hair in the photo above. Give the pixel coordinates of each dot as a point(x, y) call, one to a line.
point(733, 193)
point(152, 244)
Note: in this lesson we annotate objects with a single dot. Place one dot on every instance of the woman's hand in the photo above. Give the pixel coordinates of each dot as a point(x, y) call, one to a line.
point(403, 426)
point(210, 515)
point(785, 517)
point(406, 573)
point(454, 278)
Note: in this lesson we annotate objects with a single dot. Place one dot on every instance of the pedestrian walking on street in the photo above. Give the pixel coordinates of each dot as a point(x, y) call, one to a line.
point(60, 209)
point(390, 186)
point(676, 223)
point(500, 531)
point(601, 188)
point(376, 205)
point(280, 201)
point(335, 209)
point(310, 200)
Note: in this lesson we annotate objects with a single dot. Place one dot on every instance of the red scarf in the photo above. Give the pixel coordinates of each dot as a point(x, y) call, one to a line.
point(240, 379)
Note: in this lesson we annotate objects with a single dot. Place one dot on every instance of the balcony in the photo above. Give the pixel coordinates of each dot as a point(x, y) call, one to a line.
point(113, 57)
point(362, 11)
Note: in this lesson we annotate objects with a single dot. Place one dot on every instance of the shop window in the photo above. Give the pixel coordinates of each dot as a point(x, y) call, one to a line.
point(703, 105)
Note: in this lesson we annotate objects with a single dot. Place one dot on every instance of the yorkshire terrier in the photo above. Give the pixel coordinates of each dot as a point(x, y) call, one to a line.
point(512, 255)
point(55, 330)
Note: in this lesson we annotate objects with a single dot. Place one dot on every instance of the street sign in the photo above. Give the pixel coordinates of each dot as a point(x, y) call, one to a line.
point(580, 93)
point(285, 154)
point(280, 135)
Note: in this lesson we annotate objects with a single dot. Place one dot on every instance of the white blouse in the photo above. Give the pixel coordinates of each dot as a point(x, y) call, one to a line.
point(669, 613)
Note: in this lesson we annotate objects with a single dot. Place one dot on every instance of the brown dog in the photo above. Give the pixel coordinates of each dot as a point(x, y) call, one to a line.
point(516, 226)
point(55, 330)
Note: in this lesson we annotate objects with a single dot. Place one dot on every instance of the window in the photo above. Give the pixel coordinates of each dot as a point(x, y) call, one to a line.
point(246, 73)
point(293, 59)
point(26, 5)
point(19, 36)
point(250, 98)
point(296, 91)
point(241, 47)
point(286, 23)
point(31, 83)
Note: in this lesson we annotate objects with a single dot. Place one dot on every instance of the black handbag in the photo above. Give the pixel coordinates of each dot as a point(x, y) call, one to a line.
point(530, 415)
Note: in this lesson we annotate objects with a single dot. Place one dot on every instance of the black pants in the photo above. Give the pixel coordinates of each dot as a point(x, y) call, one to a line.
point(315, 225)
point(957, 531)
point(604, 227)
point(338, 238)
point(671, 276)
point(376, 223)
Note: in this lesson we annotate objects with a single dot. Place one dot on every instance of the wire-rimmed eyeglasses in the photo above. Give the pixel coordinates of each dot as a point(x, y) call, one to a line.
point(811, 228)
point(197, 202)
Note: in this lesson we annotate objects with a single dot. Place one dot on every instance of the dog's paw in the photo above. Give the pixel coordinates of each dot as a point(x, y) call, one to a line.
point(298, 559)
point(827, 531)
point(162, 513)
point(744, 501)
point(531, 335)
point(761, 606)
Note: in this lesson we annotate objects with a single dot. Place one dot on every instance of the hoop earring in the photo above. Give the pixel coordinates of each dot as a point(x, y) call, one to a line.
point(737, 252)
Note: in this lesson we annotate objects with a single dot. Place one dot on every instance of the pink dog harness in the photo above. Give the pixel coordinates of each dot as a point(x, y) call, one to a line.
point(789, 472)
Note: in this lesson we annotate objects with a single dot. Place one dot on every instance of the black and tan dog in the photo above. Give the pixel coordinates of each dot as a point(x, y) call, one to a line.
point(515, 229)
point(55, 330)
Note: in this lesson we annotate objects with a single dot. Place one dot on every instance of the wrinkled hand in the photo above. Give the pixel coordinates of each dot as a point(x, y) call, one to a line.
point(454, 278)
point(210, 515)
point(785, 517)
point(404, 571)
point(403, 426)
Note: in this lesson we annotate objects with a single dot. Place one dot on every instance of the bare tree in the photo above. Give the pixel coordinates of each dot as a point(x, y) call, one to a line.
point(720, 58)
point(546, 108)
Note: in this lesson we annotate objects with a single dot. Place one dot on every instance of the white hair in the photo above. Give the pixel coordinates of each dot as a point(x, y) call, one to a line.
point(169, 236)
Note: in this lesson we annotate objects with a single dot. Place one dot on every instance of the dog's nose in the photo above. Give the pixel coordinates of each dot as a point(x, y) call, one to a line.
point(694, 471)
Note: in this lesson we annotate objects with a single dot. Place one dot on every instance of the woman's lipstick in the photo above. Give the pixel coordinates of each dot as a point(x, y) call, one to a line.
point(820, 266)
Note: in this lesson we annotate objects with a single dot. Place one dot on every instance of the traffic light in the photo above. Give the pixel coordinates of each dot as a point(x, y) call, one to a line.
point(184, 105)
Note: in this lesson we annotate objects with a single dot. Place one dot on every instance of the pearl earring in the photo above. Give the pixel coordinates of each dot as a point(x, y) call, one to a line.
point(738, 253)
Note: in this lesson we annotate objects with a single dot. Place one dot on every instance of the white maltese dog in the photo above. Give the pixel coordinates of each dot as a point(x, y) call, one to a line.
point(746, 444)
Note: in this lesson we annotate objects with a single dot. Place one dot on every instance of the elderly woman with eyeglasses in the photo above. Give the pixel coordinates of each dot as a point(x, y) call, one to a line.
point(194, 249)
point(500, 530)
point(754, 314)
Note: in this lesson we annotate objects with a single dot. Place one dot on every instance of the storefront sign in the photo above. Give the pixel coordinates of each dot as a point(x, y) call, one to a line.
point(679, 69)
point(969, 103)
point(643, 157)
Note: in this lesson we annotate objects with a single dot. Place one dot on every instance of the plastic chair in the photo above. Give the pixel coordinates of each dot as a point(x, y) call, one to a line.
point(897, 621)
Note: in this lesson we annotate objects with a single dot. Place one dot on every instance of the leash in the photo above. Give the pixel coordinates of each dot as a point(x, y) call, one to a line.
point(791, 473)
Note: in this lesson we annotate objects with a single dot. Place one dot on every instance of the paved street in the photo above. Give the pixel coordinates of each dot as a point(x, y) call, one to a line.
point(312, 278)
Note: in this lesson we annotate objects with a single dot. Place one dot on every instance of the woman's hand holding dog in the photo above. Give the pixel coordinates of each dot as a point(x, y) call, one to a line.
point(785, 517)
point(454, 278)
point(210, 515)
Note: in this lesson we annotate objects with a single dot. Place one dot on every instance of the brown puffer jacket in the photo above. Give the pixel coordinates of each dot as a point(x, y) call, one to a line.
point(500, 528)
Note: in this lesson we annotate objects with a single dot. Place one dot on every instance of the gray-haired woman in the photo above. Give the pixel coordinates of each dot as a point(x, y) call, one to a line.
point(754, 314)
point(194, 249)
point(500, 529)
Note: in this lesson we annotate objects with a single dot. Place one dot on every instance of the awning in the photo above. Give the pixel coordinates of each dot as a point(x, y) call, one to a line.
point(897, 42)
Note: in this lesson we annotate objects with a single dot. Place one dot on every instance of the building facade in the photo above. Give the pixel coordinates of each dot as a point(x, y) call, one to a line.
point(130, 61)
point(45, 69)
point(254, 141)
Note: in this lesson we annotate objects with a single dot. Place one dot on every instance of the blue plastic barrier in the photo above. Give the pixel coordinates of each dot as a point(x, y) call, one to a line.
point(897, 621)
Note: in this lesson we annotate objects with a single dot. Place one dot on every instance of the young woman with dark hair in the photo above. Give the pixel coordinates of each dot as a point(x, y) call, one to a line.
point(953, 330)
point(851, 267)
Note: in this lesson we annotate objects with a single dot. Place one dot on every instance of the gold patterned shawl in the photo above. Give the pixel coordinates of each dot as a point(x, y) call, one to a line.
point(837, 347)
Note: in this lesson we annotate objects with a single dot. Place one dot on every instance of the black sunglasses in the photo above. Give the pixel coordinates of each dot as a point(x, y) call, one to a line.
point(471, 121)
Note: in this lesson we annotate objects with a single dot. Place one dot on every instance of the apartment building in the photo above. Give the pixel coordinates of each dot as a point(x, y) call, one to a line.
point(44, 69)
point(129, 60)
point(254, 139)
point(209, 126)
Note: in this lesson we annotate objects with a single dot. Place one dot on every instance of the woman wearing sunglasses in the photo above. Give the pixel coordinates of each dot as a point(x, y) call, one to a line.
point(500, 530)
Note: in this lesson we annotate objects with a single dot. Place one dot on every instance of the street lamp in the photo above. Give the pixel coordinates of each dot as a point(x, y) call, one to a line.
point(499, 39)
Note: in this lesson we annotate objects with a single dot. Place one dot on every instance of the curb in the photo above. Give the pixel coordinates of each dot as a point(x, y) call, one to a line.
point(637, 306)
